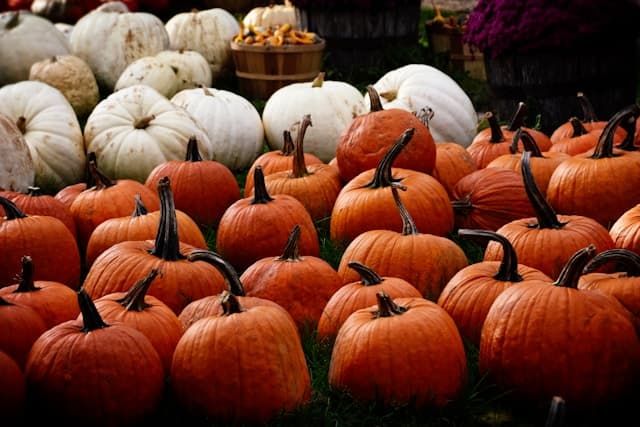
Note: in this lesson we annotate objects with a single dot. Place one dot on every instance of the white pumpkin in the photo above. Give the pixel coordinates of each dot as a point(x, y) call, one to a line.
point(272, 16)
point(136, 128)
point(51, 129)
point(231, 121)
point(71, 76)
point(331, 104)
point(17, 172)
point(208, 32)
point(110, 37)
point(416, 86)
point(25, 39)
point(168, 72)
point(64, 28)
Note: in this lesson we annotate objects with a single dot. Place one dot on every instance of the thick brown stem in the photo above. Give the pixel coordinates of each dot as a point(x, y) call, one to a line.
point(134, 298)
point(587, 109)
point(11, 210)
point(517, 120)
point(228, 272)
point(21, 124)
point(291, 249)
point(99, 180)
point(572, 270)
point(34, 191)
point(319, 80)
point(408, 225)
point(382, 176)
point(193, 154)
point(545, 214)
point(528, 142)
point(604, 147)
point(230, 304)
point(374, 98)
point(26, 282)
point(140, 209)
point(368, 277)
point(629, 260)
point(90, 316)
point(496, 130)
point(167, 244)
point(387, 307)
point(260, 193)
point(578, 127)
point(143, 122)
point(287, 143)
point(508, 270)
point(299, 165)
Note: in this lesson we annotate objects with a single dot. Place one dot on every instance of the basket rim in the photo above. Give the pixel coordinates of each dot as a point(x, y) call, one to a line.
point(279, 49)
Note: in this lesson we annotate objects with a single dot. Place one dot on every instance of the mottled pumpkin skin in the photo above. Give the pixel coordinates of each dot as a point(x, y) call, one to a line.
point(369, 136)
point(541, 340)
point(110, 376)
point(416, 356)
point(245, 367)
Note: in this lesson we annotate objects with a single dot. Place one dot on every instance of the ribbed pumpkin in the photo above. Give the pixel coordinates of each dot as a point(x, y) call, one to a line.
point(300, 284)
point(406, 351)
point(424, 260)
point(542, 164)
point(140, 225)
point(211, 305)
point(469, 294)
point(596, 352)
point(203, 189)
point(625, 231)
point(145, 313)
point(256, 227)
point(366, 203)
point(262, 372)
point(578, 141)
point(453, 162)
point(624, 284)
point(316, 185)
point(547, 241)
point(363, 144)
point(181, 282)
point(55, 302)
point(68, 368)
point(601, 184)
point(489, 198)
point(359, 294)
point(20, 326)
point(45, 239)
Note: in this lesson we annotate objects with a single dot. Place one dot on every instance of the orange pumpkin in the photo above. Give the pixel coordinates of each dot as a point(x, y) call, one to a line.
point(20, 326)
point(453, 162)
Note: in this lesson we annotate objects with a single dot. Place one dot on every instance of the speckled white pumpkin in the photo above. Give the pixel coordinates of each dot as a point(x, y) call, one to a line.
point(17, 172)
point(73, 77)
point(51, 129)
point(331, 104)
point(416, 86)
point(109, 38)
point(208, 32)
point(25, 39)
point(136, 128)
point(231, 121)
point(168, 72)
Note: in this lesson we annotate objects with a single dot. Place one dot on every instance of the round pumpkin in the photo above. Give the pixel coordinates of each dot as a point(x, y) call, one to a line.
point(17, 171)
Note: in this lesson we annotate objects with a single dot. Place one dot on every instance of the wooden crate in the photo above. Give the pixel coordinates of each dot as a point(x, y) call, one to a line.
point(261, 70)
point(461, 57)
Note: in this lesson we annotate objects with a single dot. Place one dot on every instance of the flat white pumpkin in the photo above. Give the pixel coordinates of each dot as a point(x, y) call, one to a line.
point(51, 129)
point(168, 72)
point(331, 104)
point(208, 32)
point(272, 15)
point(416, 86)
point(136, 128)
point(109, 38)
point(231, 121)
point(17, 172)
point(25, 39)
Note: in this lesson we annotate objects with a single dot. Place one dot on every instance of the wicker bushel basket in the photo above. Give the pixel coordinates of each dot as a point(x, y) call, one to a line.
point(261, 70)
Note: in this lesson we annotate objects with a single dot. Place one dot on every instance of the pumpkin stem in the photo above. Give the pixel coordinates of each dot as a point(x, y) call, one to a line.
point(319, 80)
point(409, 227)
point(572, 270)
point(578, 127)
point(91, 157)
point(545, 214)
point(21, 123)
point(604, 147)
point(528, 142)
point(508, 270)
point(260, 193)
point(387, 307)
point(167, 244)
point(368, 277)
point(462, 207)
point(425, 114)
point(382, 176)
point(587, 108)
point(625, 257)
point(143, 122)
point(206, 91)
point(299, 166)
point(629, 143)
point(13, 21)
point(555, 417)
point(134, 298)
point(140, 209)
point(11, 210)
point(517, 120)
point(291, 251)
point(25, 278)
point(374, 98)
point(228, 272)
point(230, 304)
point(100, 181)
point(287, 145)
point(90, 316)
point(496, 130)
point(193, 154)
point(34, 191)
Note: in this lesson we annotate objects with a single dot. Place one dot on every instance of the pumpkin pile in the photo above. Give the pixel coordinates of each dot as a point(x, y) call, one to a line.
point(160, 232)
